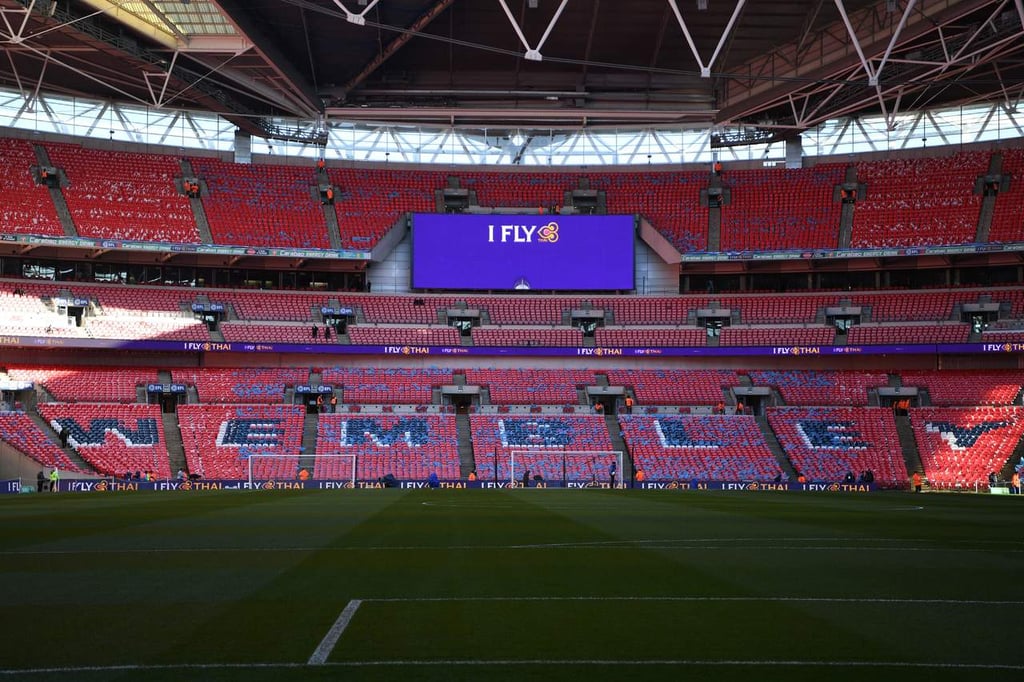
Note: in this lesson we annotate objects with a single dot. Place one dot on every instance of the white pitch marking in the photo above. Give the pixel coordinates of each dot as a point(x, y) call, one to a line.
point(73, 670)
point(331, 638)
point(823, 600)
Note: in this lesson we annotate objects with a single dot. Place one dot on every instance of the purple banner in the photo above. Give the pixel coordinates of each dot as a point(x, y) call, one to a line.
point(10, 486)
point(120, 485)
point(522, 252)
point(525, 351)
point(768, 486)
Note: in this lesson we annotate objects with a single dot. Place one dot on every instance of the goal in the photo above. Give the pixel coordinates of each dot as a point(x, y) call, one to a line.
point(286, 468)
point(581, 468)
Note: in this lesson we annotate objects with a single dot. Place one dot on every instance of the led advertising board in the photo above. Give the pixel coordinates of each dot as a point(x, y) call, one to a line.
point(522, 252)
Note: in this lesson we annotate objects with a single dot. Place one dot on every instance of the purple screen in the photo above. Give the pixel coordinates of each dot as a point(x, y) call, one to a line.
point(522, 252)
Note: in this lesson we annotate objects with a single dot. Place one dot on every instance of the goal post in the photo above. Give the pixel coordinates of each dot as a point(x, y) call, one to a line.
point(349, 477)
point(589, 467)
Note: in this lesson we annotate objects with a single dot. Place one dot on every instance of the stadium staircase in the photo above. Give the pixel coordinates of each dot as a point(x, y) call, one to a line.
point(908, 444)
point(619, 443)
point(467, 460)
point(59, 203)
point(55, 439)
point(846, 212)
point(773, 444)
point(196, 203)
point(1007, 471)
point(172, 439)
point(171, 426)
point(310, 425)
point(715, 218)
point(333, 228)
point(988, 203)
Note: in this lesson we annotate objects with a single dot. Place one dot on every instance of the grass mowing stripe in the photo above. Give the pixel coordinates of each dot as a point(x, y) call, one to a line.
point(91, 586)
point(331, 638)
point(678, 545)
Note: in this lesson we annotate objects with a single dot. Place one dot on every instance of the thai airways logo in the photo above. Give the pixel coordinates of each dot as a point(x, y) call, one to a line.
point(522, 234)
point(549, 233)
point(796, 350)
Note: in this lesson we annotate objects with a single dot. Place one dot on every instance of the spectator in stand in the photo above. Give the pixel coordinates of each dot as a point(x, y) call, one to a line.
point(316, 332)
point(329, 196)
point(720, 408)
point(629, 404)
point(321, 165)
point(327, 332)
point(740, 407)
point(333, 404)
point(320, 403)
point(598, 407)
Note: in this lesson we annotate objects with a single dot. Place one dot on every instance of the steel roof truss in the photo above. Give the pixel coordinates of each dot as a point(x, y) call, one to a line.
point(352, 17)
point(705, 69)
point(158, 100)
point(532, 53)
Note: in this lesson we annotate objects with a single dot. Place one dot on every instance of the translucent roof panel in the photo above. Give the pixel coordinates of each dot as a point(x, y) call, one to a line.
point(191, 18)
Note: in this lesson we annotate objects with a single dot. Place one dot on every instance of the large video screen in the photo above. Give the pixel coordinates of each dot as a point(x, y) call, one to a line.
point(518, 252)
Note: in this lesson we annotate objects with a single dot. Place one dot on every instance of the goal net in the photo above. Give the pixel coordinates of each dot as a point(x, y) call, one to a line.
point(286, 468)
point(579, 468)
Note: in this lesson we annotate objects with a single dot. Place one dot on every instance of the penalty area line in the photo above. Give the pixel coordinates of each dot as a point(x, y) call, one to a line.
point(326, 646)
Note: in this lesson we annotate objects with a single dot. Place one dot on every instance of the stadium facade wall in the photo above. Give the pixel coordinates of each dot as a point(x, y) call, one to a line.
point(652, 275)
point(392, 275)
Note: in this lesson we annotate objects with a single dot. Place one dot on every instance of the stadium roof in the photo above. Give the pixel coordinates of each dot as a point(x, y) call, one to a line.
point(773, 67)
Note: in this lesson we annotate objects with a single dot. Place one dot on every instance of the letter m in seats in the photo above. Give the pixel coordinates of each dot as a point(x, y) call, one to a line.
point(413, 431)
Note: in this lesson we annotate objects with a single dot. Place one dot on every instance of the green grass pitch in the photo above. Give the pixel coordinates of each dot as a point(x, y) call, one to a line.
point(511, 585)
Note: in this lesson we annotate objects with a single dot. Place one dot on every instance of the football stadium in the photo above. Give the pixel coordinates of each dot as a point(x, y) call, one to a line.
point(511, 339)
